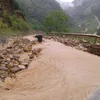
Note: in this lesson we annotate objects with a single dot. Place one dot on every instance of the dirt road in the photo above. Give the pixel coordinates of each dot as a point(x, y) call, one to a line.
point(60, 73)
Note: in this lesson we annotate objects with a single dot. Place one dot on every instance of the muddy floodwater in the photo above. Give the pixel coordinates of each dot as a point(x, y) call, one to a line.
point(60, 73)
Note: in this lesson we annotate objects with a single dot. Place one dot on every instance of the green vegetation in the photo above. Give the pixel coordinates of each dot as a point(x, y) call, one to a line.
point(33, 14)
point(10, 23)
point(56, 21)
point(37, 9)
point(85, 12)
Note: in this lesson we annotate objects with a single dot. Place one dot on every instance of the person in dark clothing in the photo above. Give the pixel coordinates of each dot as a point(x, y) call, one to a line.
point(39, 37)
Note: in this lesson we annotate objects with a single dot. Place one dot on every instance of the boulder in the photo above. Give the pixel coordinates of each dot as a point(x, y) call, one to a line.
point(25, 64)
point(10, 65)
point(2, 65)
point(3, 68)
point(1, 56)
point(3, 74)
point(15, 69)
point(36, 51)
point(31, 56)
point(27, 48)
point(22, 67)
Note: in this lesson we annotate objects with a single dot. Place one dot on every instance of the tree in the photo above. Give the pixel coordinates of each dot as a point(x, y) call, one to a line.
point(56, 21)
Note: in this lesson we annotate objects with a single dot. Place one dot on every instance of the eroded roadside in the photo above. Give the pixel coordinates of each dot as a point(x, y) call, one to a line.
point(17, 56)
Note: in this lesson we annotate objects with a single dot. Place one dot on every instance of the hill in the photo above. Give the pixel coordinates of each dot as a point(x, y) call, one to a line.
point(37, 9)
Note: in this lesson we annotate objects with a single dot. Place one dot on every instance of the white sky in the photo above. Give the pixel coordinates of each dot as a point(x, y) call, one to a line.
point(65, 0)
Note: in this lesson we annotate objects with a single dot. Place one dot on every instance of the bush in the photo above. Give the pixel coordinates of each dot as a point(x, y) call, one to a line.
point(12, 23)
point(19, 24)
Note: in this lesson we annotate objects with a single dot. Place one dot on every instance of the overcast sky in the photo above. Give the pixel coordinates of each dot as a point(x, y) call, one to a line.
point(65, 0)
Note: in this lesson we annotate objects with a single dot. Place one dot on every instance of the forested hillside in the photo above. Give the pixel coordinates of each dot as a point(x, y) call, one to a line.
point(87, 7)
point(37, 9)
point(24, 15)
point(86, 13)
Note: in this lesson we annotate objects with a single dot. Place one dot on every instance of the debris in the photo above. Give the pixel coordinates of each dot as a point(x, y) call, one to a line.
point(10, 62)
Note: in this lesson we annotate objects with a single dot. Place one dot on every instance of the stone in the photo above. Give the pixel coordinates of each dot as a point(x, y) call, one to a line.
point(9, 47)
point(25, 64)
point(8, 59)
point(10, 65)
point(15, 69)
point(3, 65)
point(11, 56)
point(22, 67)
point(36, 52)
point(16, 57)
point(9, 83)
point(3, 74)
point(27, 48)
point(1, 56)
point(31, 56)
point(15, 62)
point(19, 51)
point(12, 75)
point(4, 68)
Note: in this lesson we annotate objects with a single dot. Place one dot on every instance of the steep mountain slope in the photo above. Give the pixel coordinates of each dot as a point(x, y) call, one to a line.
point(83, 13)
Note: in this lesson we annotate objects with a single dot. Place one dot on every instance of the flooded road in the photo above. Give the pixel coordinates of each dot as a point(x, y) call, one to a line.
point(60, 73)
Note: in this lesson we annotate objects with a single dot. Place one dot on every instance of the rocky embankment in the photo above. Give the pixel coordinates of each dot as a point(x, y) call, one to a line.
point(16, 57)
point(78, 44)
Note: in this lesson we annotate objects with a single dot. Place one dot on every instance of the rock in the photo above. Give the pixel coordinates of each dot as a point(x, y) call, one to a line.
point(11, 56)
point(4, 68)
point(3, 65)
point(27, 60)
point(8, 59)
point(25, 64)
point(19, 51)
point(22, 67)
point(1, 60)
point(9, 83)
point(16, 57)
point(15, 62)
point(27, 48)
point(10, 65)
point(3, 74)
point(12, 75)
point(31, 56)
point(33, 42)
point(1, 56)
point(9, 47)
point(36, 52)
point(4, 52)
point(15, 69)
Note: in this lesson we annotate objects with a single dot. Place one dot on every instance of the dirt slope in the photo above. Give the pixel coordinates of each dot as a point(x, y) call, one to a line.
point(60, 73)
